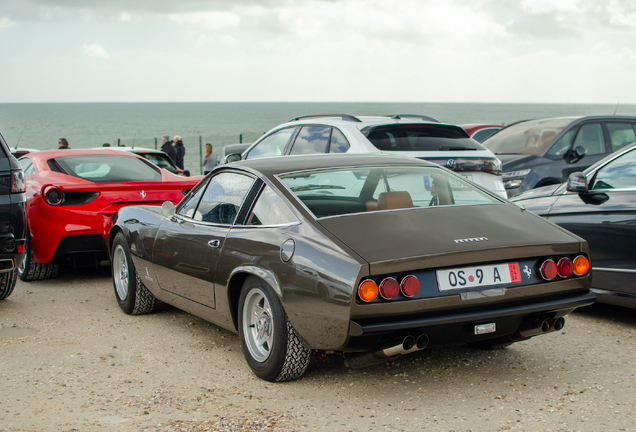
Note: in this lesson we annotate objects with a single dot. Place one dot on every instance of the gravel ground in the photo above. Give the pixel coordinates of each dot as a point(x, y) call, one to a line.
point(70, 360)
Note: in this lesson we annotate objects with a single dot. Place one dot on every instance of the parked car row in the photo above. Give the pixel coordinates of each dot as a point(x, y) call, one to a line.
point(374, 237)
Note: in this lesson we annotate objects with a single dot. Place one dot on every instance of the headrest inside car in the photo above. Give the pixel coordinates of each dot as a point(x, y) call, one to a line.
point(394, 200)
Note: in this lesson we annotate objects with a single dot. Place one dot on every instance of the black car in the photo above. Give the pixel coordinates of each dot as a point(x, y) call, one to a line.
point(12, 219)
point(599, 205)
point(537, 153)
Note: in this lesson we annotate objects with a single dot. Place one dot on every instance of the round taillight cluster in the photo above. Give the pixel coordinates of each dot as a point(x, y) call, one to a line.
point(52, 195)
point(564, 268)
point(389, 288)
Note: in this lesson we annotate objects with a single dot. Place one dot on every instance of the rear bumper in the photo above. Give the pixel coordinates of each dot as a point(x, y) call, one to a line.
point(558, 306)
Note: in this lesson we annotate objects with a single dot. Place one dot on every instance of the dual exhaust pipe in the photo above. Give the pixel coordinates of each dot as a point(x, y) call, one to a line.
point(410, 343)
point(541, 326)
point(387, 352)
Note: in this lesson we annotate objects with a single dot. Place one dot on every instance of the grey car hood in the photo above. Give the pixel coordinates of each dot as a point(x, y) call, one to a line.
point(390, 240)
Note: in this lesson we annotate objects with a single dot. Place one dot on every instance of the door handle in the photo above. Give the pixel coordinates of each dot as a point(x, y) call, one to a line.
point(214, 243)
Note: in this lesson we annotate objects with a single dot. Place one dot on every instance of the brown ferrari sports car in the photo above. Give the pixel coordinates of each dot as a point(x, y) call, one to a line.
point(372, 256)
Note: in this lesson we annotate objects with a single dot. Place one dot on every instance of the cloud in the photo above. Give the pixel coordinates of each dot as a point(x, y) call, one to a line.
point(95, 50)
point(207, 20)
point(6, 22)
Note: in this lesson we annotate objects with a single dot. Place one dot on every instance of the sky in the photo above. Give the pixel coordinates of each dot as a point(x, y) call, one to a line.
point(527, 51)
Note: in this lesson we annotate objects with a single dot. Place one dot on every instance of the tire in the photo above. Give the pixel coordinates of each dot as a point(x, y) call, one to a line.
point(132, 295)
point(7, 283)
point(29, 270)
point(270, 344)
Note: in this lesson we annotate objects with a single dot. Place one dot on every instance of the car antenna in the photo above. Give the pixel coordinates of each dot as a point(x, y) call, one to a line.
point(18, 143)
point(616, 109)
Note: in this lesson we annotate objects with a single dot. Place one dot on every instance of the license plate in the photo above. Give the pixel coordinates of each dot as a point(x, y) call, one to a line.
point(481, 276)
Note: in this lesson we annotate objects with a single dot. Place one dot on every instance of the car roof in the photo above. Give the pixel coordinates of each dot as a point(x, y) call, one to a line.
point(359, 122)
point(271, 166)
point(131, 149)
point(49, 154)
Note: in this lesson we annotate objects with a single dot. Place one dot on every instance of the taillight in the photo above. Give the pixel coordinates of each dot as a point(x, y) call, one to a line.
point(565, 267)
point(52, 195)
point(368, 290)
point(17, 182)
point(389, 288)
point(581, 265)
point(410, 286)
point(549, 270)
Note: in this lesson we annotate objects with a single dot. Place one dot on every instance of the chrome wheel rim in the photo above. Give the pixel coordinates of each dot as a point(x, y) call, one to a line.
point(23, 263)
point(120, 272)
point(258, 325)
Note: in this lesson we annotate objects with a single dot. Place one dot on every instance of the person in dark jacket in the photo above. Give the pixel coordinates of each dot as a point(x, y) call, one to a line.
point(178, 146)
point(168, 148)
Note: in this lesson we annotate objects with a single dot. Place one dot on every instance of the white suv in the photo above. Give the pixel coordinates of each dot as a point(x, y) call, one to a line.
point(403, 134)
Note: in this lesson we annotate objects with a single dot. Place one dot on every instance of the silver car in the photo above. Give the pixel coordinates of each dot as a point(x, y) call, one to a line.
point(409, 135)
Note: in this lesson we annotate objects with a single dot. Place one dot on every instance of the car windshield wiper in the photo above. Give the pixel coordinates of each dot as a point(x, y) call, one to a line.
point(315, 186)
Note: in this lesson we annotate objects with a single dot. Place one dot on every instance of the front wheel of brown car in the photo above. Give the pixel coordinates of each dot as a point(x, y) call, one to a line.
point(132, 295)
point(270, 344)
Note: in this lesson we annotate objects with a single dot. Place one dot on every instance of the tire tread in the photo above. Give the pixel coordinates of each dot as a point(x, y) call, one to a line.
point(7, 283)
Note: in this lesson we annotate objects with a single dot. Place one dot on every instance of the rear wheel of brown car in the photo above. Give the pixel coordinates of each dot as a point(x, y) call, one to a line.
point(7, 283)
point(29, 270)
point(132, 295)
point(270, 344)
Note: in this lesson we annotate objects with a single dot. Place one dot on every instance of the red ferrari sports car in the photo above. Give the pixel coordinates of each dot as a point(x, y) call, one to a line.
point(71, 197)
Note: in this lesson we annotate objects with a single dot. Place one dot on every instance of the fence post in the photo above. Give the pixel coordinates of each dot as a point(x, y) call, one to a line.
point(155, 143)
point(240, 138)
point(118, 142)
point(200, 154)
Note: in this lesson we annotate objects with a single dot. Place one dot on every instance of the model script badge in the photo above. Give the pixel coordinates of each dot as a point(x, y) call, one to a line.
point(471, 240)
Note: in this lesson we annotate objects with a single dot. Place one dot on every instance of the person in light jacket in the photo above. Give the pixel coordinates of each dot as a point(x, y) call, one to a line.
point(209, 161)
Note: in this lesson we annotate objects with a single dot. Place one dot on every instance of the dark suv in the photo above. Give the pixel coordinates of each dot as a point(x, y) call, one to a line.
point(12, 219)
point(537, 153)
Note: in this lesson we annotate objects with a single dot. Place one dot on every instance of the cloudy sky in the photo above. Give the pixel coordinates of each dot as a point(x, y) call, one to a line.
point(581, 51)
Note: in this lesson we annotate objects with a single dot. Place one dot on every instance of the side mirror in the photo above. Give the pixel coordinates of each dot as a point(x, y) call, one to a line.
point(578, 153)
point(167, 209)
point(577, 182)
point(234, 157)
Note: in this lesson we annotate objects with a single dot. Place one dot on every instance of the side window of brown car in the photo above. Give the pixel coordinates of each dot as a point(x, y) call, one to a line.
point(270, 209)
point(222, 198)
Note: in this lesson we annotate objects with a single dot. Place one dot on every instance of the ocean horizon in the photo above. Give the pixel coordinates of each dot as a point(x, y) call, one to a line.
point(91, 124)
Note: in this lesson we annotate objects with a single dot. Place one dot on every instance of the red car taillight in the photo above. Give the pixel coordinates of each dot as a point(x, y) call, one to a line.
point(549, 270)
point(410, 286)
point(389, 288)
point(52, 195)
point(17, 182)
point(565, 267)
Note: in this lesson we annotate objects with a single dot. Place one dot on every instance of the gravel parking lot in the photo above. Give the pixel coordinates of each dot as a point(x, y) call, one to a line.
point(70, 360)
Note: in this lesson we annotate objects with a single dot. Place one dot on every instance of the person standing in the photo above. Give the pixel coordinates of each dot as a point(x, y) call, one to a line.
point(209, 161)
point(168, 148)
point(62, 144)
point(180, 149)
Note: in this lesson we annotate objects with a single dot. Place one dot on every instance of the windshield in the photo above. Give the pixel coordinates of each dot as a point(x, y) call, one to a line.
point(102, 168)
point(420, 137)
point(529, 137)
point(333, 192)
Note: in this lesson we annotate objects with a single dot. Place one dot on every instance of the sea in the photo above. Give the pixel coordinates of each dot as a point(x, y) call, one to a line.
point(87, 125)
